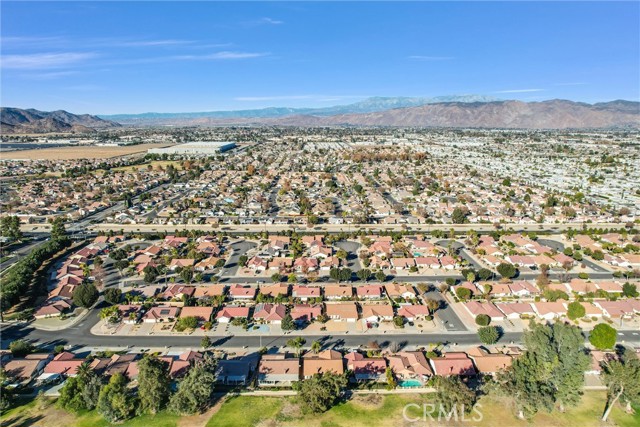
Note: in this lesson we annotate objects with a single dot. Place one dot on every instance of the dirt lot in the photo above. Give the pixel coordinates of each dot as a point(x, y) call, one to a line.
point(86, 152)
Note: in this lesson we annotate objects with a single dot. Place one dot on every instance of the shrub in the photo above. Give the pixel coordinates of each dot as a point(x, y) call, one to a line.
point(603, 337)
point(488, 334)
point(185, 323)
point(483, 320)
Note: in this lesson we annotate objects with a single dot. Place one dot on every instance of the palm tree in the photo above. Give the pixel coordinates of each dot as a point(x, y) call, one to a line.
point(316, 347)
point(84, 370)
point(296, 344)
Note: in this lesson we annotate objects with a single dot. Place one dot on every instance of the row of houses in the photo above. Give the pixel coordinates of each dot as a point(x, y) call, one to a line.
point(552, 310)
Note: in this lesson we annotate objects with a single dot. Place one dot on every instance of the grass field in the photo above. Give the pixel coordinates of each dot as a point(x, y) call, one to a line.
point(361, 411)
point(155, 164)
point(88, 152)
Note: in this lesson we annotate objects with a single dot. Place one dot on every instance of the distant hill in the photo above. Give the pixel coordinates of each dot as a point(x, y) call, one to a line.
point(365, 106)
point(467, 111)
point(17, 120)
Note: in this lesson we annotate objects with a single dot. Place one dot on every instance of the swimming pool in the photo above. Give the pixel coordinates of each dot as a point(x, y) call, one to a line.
point(409, 383)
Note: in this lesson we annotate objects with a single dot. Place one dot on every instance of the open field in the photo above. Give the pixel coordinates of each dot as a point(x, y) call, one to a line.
point(86, 152)
point(361, 411)
point(155, 164)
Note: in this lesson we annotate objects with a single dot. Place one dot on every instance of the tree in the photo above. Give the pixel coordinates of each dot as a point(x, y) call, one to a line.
point(550, 372)
point(187, 274)
point(58, 232)
point(153, 384)
point(242, 261)
point(459, 215)
point(341, 254)
point(112, 295)
point(488, 334)
point(622, 378)
point(287, 323)
point(630, 290)
point(205, 342)
point(364, 274)
point(603, 336)
point(276, 277)
point(334, 273)
point(316, 346)
point(391, 379)
point(345, 274)
point(432, 305)
point(507, 270)
point(380, 276)
point(575, 310)
point(398, 321)
point(485, 273)
point(194, 391)
point(116, 403)
point(188, 322)
point(483, 319)
point(320, 392)
point(71, 396)
point(463, 293)
point(85, 295)
point(10, 228)
point(453, 394)
point(296, 344)
point(20, 348)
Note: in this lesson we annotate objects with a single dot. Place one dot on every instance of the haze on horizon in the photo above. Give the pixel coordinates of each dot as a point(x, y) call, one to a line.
point(110, 58)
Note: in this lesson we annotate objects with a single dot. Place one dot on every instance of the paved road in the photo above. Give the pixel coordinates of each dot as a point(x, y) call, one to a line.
point(80, 336)
point(239, 248)
point(554, 244)
point(353, 262)
point(339, 228)
point(21, 252)
point(446, 314)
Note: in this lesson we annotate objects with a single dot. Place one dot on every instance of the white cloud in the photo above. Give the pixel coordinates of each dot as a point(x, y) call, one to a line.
point(151, 43)
point(271, 21)
point(571, 84)
point(224, 55)
point(430, 58)
point(519, 90)
point(44, 60)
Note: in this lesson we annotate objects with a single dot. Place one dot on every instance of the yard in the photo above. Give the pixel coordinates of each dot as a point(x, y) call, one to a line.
point(360, 411)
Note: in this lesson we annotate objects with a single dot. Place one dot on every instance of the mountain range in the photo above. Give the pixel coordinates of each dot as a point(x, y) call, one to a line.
point(470, 111)
point(368, 105)
point(17, 120)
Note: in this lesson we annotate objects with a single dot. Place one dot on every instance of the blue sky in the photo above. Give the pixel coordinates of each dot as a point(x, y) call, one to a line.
point(127, 57)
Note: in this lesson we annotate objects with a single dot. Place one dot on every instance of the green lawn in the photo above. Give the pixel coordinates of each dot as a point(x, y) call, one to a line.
point(386, 410)
point(361, 411)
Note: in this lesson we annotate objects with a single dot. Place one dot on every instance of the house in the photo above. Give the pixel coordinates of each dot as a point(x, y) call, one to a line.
point(304, 265)
point(161, 314)
point(619, 309)
point(374, 313)
point(397, 290)
point(203, 314)
point(52, 309)
point(276, 370)
point(369, 291)
point(257, 264)
point(228, 313)
point(275, 290)
point(413, 312)
point(305, 292)
point(549, 310)
point(345, 311)
point(407, 365)
point(130, 314)
point(24, 370)
point(489, 363)
point(403, 263)
point(178, 291)
point(476, 308)
point(207, 264)
point(457, 363)
point(302, 313)
point(182, 263)
point(270, 313)
point(337, 292)
point(119, 364)
point(523, 288)
point(367, 368)
point(329, 263)
point(430, 262)
point(581, 286)
point(209, 291)
point(236, 371)
point(447, 262)
point(515, 310)
point(324, 361)
point(242, 292)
